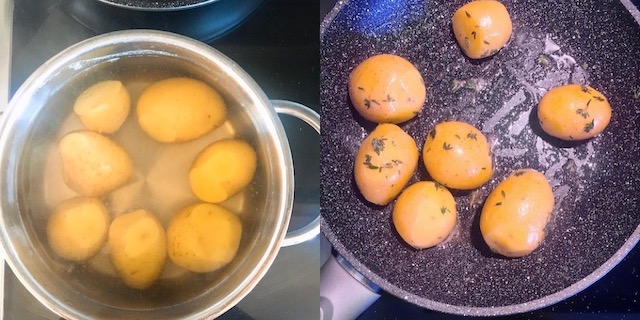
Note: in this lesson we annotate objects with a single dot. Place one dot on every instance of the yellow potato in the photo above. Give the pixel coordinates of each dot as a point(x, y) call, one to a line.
point(93, 164)
point(385, 163)
point(104, 106)
point(180, 109)
point(457, 155)
point(222, 170)
point(137, 246)
point(482, 28)
point(77, 228)
point(515, 214)
point(203, 237)
point(424, 214)
point(574, 112)
point(387, 88)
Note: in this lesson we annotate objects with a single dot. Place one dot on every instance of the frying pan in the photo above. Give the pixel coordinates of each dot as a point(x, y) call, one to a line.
point(157, 5)
point(596, 220)
point(204, 20)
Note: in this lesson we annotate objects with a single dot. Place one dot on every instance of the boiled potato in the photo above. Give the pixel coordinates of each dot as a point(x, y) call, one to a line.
point(137, 246)
point(385, 163)
point(482, 28)
point(93, 164)
point(457, 155)
point(104, 106)
point(574, 112)
point(180, 109)
point(222, 170)
point(424, 214)
point(387, 88)
point(515, 214)
point(78, 227)
point(203, 237)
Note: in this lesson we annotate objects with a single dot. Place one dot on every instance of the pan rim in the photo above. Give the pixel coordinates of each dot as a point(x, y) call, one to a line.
point(484, 311)
point(539, 303)
point(200, 3)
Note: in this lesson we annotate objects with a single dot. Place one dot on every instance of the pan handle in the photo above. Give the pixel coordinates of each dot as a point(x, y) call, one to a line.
point(312, 118)
point(344, 292)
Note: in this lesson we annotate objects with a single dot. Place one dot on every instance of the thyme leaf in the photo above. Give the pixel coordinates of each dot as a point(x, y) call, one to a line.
point(467, 13)
point(476, 84)
point(432, 133)
point(472, 136)
point(378, 145)
point(589, 126)
point(519, 173)
point(391, 164)
point(367, 103)
point(583, 113)
point(498, 204)
point(367, 162)
point(504, 194)
point(447, 146)
point(598, 98)
point(388, 165)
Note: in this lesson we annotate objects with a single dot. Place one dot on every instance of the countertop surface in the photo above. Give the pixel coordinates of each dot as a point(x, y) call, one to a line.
point(278, 46)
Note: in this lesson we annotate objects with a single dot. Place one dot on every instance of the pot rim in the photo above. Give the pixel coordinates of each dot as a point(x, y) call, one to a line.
point(12, 139)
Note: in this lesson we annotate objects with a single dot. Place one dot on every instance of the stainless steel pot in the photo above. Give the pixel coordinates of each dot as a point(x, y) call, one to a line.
point(36, 112)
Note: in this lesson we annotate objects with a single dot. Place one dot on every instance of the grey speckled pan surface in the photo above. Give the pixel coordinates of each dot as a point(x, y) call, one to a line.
point(157, 4)
point(597, 216)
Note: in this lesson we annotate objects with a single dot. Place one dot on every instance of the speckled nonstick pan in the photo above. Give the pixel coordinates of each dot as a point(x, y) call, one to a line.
point(157, 4)
point(597, 215)
point(204, 20)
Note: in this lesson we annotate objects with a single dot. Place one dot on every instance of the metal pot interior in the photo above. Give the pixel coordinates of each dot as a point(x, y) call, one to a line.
point(42, 112)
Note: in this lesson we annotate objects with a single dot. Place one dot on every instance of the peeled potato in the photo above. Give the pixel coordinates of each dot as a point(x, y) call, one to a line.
point(387, 88)
point(457, 155)
point(93, 164)
point(137, 248)
point(104, 106)
point(222, 170)
point(180, 109)
point(424, 214)
point(516, 212)
point(574, 112)
point(385, 163)
point(203, 237)
point(77, 228)
point(482, 28)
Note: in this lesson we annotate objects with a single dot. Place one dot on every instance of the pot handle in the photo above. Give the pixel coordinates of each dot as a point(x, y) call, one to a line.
point(312, 118)
point(344, 292)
